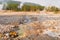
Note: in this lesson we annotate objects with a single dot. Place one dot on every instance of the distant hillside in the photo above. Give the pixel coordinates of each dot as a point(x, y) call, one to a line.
point(29, 3)
point(11, 1)
point(14, 2)
point(0, 2)
point(27, 6)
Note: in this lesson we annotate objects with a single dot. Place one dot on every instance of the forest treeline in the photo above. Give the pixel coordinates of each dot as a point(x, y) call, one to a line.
point(16, 6)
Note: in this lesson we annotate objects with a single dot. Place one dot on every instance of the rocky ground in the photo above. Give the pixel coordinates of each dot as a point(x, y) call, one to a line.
point(29, 27)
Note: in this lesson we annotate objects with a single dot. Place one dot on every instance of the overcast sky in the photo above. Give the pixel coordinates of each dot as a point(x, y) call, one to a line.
point(44, 2)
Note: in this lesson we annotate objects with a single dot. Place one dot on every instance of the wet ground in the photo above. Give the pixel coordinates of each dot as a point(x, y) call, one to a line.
point(28, 27)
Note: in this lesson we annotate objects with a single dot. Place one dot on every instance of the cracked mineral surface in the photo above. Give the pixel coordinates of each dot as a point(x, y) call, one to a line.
point(30, 27)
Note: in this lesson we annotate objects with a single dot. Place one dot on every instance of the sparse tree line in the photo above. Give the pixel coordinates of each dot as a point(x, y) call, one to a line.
point(28, 7)
point(52, 9)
